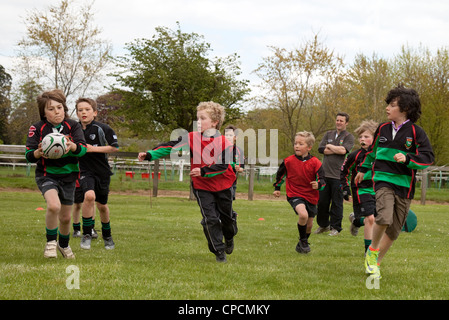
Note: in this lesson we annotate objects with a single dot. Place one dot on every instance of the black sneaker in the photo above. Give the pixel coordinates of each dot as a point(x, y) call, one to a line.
point(302, 246)
point(229, 246)
point(221, 257)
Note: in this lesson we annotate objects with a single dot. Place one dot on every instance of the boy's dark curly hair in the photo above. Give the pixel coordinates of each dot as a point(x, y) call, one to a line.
point(408, 101)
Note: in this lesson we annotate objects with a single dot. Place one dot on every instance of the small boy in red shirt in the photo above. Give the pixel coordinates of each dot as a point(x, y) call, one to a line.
point(304, 177)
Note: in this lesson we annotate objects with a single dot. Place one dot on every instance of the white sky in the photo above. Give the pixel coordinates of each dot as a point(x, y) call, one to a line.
point(247, 27)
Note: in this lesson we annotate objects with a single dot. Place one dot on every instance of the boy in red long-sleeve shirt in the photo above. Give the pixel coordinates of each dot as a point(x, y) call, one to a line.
point(212, 173)
point(304, 177)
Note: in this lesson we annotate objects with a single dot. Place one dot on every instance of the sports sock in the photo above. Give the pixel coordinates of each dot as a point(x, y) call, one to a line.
point(302, 231)
point(359, 222)
point(106, 229)
point(64, 240)
point(51, 234)
point(77, 226)
point(87, 225)
point(367, 244)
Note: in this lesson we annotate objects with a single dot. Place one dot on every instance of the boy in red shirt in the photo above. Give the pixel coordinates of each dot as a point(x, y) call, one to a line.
point(212, 175)
point(304, 177)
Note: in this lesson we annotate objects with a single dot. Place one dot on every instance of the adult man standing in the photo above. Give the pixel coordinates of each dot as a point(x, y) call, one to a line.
point(334, 145)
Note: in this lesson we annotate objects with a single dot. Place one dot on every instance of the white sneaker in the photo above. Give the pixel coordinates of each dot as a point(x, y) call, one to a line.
point(50, 249)
point(354, 230)
point(85, 241)
point(66, 252)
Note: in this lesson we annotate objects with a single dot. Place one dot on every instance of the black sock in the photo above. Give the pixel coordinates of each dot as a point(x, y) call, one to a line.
point(77, 226)
point(302, 232)
point(87, 226)
point(64, 240)
point(105, 229)
point(51, 234)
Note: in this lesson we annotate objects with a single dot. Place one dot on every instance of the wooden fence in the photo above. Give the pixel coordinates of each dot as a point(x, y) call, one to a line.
point(14, 155)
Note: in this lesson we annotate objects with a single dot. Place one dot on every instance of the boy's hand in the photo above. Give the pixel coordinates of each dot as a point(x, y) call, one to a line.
point(359, 177)
point(141, 156)
point(314, 185)
point(277, 193)
point(399, 157)
point(196, 172)
point(38, 153)
point(71, 146)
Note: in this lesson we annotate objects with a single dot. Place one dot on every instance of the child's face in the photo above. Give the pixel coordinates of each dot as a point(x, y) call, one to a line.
point(85, 113)
point(54, 112)
point(366, 139)
point(204, 122)
point(394, 113)
point(301, 147)
point(230, 135)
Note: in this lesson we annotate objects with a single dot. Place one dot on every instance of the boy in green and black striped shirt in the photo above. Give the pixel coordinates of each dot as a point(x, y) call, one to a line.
point(399, 149)
point(56, 178)
point(363, 196)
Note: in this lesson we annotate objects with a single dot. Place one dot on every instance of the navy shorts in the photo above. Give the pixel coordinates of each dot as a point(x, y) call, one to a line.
point(66, 190)
point(365, 209)
point(99, 185)
point(311, 208)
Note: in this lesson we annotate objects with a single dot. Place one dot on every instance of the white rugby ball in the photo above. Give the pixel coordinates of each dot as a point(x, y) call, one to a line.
point(54, 145)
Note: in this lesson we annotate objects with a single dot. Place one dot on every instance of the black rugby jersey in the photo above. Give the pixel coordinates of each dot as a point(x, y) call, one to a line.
point(66, 167)
point(98, 134)
point(412, 141)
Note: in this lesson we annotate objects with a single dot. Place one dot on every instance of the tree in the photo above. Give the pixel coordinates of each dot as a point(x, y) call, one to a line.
point(5, 103)
point(368, 82)
point(428, 73)
point(62, 48)
point(166, 77)
point(293, 80)
point(24, 113)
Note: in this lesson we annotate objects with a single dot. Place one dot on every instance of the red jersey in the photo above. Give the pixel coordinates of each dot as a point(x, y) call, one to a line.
point(214, 155)
point(298, 172)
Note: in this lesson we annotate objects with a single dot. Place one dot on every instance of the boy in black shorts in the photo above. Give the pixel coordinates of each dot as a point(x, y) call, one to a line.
point(363, 196)
point(95, 175)
point(56, 178)
point(304, 177)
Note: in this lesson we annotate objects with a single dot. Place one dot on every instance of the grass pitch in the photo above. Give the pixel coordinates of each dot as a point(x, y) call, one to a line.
point(161, 254)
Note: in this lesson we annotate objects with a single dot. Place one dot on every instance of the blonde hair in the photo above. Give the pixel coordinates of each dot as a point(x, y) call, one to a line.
point(310, 138)
point(216, 111)
point(367, 125)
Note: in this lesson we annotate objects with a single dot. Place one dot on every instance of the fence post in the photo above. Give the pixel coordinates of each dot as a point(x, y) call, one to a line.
point(155, 177)
point(251, 182)
point(424, 186)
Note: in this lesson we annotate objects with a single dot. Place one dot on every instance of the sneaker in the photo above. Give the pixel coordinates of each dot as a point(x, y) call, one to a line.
point(354, 230)
point(334, 232)
point(50, 249)
point(94, 233)
point(229, 246)
point(302, 246)
point(76, 234)
point(221, 257)
point(371, 266)
point(85, 241)
point(66, 252)
point(108, 243)
point(322, 230)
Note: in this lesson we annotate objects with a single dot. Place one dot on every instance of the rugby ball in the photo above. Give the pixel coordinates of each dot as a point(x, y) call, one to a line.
point(54, 145)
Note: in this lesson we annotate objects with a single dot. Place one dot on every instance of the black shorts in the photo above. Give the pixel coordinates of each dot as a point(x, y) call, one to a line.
point(311, 208)
point(79, 195)
point(66, 190)
point(99, 185)
point(365, 209)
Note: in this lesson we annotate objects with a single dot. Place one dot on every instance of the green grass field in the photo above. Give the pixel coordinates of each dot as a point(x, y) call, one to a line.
point(161, 254)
